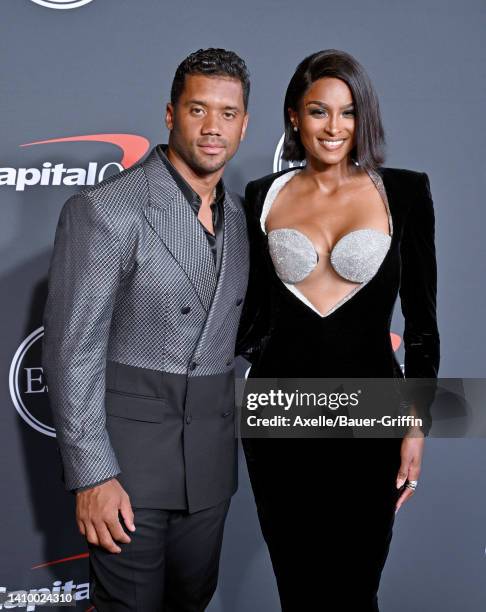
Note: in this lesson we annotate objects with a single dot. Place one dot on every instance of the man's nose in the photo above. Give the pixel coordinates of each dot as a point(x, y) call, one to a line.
point(211, 124)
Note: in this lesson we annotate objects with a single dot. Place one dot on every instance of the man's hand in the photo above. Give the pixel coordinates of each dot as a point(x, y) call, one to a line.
point(97, 515)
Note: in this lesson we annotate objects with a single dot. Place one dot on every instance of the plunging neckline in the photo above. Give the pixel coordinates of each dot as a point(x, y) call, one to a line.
point(272, 193)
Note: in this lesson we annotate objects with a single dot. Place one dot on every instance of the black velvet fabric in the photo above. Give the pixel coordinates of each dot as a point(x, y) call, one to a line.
point(326, 506)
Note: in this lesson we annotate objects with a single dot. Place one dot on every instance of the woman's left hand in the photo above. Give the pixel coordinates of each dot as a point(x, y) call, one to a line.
point(411, 453)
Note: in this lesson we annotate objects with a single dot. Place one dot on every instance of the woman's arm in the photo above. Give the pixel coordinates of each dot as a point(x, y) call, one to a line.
point(255, 318)
point(418, 293)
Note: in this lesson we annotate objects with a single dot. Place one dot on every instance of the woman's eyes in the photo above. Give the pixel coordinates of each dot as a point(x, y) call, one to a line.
point(319, 112)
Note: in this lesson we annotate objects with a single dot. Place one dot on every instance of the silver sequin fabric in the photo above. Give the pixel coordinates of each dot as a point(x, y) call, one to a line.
point(293, 254)
point(355, 257)
point(358, 255)
point(370, 250)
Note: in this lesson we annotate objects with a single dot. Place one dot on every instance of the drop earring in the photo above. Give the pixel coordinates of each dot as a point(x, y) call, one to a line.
point(296, 129)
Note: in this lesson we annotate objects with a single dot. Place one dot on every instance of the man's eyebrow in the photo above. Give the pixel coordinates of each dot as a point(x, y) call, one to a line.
point(202, 103)
point(194, 101)
point(320, 103)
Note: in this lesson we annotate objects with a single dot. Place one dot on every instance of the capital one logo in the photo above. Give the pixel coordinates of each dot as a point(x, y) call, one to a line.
point(132, 146)
point(28, 389)
point(72, 589)
point(62, 4)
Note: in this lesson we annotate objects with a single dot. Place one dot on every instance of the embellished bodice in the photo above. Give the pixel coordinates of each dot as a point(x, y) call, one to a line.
point(355, 257)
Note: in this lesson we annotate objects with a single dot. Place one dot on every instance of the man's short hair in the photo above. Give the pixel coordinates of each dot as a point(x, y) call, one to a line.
point(211, 62)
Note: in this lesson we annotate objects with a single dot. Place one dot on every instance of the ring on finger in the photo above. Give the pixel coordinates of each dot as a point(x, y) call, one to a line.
point(412, 484)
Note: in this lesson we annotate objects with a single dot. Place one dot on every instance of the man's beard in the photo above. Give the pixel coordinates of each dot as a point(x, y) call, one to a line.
point(204, 166)
point(196, 160)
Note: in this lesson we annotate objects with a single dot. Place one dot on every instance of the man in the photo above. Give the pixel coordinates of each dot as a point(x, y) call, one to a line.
point(146, 286)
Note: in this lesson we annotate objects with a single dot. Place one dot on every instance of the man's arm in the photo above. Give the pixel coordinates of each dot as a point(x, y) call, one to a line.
point(84, 275)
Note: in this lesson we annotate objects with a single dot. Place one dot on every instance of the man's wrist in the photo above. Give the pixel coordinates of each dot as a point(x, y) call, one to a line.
point(95, 484)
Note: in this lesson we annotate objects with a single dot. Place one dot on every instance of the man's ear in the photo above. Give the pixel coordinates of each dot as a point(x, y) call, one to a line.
point(244, 126)
point(169, 116)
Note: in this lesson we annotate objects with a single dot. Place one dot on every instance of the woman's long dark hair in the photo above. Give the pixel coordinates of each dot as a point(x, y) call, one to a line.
point(370, 136)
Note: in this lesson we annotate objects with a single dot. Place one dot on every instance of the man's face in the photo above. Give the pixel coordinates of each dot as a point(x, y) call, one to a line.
point(208, 122)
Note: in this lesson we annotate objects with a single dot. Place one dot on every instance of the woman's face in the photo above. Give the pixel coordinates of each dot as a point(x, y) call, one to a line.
point(326, 121)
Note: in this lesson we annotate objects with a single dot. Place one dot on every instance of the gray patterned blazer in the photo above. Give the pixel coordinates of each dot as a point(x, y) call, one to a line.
point(139, 340)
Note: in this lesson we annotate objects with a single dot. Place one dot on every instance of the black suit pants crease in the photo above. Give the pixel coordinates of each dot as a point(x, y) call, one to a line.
point(171, 564)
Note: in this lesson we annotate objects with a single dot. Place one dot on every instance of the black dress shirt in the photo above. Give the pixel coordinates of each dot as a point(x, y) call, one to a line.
point(215, 240)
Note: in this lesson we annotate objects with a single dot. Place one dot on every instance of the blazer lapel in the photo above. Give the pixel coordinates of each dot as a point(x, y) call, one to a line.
point(234, 269)
point(172, 218)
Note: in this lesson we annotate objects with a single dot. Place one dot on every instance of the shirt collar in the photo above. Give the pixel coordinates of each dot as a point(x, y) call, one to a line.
point(191, 196)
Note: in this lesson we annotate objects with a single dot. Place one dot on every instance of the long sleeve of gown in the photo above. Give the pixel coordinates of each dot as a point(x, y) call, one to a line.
point(255, 318)
point(418, 291)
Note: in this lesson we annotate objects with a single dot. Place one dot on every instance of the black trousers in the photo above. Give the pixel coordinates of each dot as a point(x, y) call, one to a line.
point(171, 564)
point(326, 510)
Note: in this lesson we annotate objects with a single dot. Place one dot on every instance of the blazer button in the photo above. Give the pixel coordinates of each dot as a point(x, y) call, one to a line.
point(239, 301)
point(225, 414)
point(229, 362)
point(193, 365)
point(188, 419)
point(185, 309)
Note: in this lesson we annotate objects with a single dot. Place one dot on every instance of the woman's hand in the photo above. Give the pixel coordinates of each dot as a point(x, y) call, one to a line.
point(411, 452)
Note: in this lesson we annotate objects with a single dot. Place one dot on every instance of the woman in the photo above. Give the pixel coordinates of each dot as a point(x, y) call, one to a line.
point(332, 245)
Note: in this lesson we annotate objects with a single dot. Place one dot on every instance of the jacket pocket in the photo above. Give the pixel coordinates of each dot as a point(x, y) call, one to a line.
point(135, 407)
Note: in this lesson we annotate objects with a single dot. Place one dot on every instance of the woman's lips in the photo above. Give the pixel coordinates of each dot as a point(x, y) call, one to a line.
point(332, 145)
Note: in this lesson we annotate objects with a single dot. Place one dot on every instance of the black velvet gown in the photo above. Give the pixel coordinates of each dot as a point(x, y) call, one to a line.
point(326, 506)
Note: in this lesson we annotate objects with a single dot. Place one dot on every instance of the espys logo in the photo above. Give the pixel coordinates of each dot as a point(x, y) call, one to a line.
point(62, 4)
point(27, 386)
point(132, 146)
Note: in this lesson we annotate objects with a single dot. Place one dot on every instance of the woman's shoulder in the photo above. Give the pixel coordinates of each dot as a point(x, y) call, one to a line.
point(256, 191)
point(263, 183)
point(409, 189)
point(402, 175)
point(398, 174)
